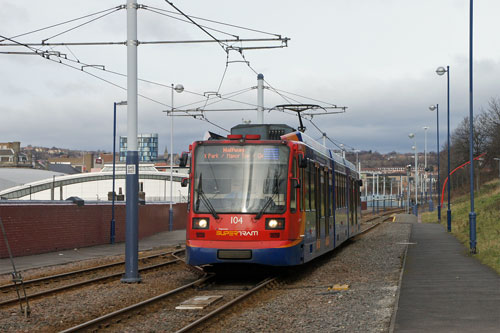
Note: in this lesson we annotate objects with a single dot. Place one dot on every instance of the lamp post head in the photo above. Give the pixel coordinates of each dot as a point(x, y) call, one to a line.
point(441, 70)
point(432, 107)
point(121, 103)
point(411, 135)
point(425, 128)
point(179, 88)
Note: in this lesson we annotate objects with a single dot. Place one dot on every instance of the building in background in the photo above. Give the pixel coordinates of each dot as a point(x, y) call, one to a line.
point(82, 163)
point(147, 145)
point(11, 155)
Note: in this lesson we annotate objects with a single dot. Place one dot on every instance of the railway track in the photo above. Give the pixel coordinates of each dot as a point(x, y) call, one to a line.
point(184, 322)
point(61, 278)
point(377, 220)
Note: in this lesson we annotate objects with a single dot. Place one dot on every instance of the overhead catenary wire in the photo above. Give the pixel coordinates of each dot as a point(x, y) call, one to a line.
point(65, 22)
point(328, 138)
point(190, 19)
point(82, 24)
point(218, 22)
point(59, 61)
point(114, 9)
point(186, 21)
point(309, 98)
point(41, 53)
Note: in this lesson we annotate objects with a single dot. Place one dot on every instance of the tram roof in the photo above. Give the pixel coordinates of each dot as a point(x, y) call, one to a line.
point(307, 140)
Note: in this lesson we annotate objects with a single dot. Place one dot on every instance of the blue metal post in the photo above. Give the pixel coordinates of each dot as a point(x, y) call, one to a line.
point(448, 212)
point(472, 214)
point(439, 170)
point(112, 231)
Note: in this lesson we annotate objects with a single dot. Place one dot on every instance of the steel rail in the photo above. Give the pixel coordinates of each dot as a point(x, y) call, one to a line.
point(5, 288)
point(134, 307)
point(82, 283)
point(382, 216)
point(226, 305)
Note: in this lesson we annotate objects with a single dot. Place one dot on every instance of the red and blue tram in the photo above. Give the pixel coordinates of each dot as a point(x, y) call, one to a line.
point(268, 198)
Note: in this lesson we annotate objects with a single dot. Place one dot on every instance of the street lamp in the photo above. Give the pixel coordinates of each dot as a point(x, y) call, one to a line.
point(432, 108)
point(178, 88)
point(425, 162)
point(472, 214)
point(441, 71)
point(411, 136)
point(358, 166)
point(112, 226)
point(408, 174)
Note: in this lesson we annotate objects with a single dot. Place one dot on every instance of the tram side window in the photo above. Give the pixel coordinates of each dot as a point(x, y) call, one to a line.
point(302, 188)
point(307, 191)
point(332, 199)
point(293, 190)
point(321, 192)
point(328, 192)
point(314, 179)
point(336, 190)
point(342, 190)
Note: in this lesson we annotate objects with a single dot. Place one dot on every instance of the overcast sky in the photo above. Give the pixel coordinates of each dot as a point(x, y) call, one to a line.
point(377, 57)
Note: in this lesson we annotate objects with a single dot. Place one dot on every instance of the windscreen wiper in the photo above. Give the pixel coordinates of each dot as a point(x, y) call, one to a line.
point(268, 202)
point(206, 202)
point(270, 199)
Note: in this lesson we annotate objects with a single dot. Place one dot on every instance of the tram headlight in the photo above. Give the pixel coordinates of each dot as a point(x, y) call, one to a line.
point(273, 224)
point(201, 223)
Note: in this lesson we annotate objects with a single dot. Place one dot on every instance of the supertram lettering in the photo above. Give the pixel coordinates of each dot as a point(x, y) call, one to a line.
point(234, 233)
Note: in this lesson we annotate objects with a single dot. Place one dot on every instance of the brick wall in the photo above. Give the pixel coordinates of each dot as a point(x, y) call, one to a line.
point(33, 229)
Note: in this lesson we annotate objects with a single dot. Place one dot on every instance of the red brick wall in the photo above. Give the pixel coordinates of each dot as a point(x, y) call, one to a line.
point(33, 229)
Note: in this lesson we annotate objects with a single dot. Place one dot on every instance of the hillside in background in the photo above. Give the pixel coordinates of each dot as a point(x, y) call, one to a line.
point(371, 159)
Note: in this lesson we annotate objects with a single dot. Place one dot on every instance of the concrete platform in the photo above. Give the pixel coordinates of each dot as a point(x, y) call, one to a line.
point(444, 289)
point(161, 239)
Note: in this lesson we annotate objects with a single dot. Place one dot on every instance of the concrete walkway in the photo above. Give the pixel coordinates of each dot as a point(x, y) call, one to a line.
point(161, 239)
point(444, 289)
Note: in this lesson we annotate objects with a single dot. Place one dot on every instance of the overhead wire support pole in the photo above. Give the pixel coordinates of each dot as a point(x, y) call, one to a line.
point(260, 98)
point(132, 162)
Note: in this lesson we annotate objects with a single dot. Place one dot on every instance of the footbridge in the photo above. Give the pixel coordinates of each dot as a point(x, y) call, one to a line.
point(96, 185)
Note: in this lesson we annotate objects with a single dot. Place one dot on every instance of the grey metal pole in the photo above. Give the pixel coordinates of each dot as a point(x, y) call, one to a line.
point(438, 158)
point(383, 192)
point(472, 214)
point(132, 163)
point(416, 174)
point(260, 98)
point(431, 203)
